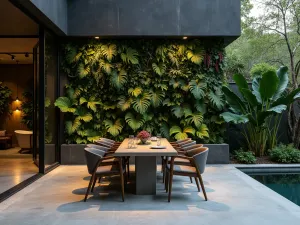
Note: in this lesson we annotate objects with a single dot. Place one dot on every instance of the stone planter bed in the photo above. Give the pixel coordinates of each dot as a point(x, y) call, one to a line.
point(73, 154)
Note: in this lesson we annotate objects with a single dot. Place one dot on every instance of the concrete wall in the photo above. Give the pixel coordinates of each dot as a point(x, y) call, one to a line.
point(55, 10)
point(154, 17)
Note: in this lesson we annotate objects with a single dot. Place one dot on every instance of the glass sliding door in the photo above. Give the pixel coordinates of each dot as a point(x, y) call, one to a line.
point(51, 93)
point(36, 69)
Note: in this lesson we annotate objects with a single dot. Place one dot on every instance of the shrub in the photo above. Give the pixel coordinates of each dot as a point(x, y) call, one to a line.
point(244, 157)
point(285, 154)
point(261, 68)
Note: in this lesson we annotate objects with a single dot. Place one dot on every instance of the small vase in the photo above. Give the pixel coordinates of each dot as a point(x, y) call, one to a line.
point(143, 141)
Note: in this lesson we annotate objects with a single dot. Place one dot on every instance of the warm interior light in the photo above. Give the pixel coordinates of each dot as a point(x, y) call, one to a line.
point(17, 99)
point(17, 109)
point(184, 38)
point(96, 37)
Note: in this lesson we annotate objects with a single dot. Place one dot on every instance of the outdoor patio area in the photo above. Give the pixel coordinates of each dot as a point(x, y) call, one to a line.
point(233, 198)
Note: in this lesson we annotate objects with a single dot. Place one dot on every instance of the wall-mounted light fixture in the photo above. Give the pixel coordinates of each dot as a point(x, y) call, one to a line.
point(184, 38)
point(17, 109)
point(97, 37)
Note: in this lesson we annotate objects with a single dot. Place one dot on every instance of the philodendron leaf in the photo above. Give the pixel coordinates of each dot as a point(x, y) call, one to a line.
point(240, 81)
point(233, 100)
point(234, 118)
point(289, 99)
point(255, 88)
point(202, 132)
point(249, 97)
point(283, 77)
point(277, 109)
point(64, 104)
point(268, 85)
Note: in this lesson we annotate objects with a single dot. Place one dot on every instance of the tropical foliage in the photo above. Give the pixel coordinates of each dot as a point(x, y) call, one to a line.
point(27, 109)
point(260, 109)
point(5, 95)
point(120, 87)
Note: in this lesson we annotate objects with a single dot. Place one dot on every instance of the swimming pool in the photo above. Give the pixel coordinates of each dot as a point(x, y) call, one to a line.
point(287, 185)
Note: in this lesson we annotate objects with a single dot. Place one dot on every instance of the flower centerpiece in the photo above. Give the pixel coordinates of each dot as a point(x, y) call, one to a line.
point(143, 136)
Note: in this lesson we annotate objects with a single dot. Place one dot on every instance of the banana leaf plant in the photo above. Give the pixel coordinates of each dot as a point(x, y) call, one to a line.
point(259, 110)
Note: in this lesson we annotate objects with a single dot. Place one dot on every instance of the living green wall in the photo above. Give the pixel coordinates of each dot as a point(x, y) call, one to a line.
point(119, 87)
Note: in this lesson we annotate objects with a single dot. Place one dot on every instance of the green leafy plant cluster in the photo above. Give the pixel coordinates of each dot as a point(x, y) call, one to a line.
point(285, 154)
point(260, 109)
point(5, 98)
point(119, 87)
point(244, 157)
point(27, 109)
point(261, 68)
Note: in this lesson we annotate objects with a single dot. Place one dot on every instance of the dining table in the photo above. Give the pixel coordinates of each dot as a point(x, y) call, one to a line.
point(145, 162)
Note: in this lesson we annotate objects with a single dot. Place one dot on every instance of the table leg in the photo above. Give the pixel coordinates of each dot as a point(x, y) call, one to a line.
point(145, 169)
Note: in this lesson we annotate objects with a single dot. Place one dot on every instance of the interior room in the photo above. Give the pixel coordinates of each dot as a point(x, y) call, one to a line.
point(18, 39)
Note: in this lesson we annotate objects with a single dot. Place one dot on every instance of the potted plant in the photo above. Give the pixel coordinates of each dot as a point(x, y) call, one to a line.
point(143, 136)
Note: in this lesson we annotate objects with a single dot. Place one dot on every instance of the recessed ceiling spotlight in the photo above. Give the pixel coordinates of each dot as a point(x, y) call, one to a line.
point(184, 38)
point(26, 55)
point(97, 37)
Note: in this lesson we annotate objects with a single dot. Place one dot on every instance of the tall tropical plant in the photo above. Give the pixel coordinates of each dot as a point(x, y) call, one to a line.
point(5, 95)
point(259, 109)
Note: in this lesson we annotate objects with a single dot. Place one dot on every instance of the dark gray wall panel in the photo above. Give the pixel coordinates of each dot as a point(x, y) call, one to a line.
point(55, 10)
point(154, 17)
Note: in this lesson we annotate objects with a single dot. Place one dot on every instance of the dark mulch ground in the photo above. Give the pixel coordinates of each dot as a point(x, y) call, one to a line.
point(259, 160)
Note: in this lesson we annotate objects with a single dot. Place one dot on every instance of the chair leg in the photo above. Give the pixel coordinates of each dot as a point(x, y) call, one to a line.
point(191, 179)
point(89, 188)
point(122, 178)
point(202, 186)
point(167, 181)
point(170, 185)
point(197, 182)
point(94, 182)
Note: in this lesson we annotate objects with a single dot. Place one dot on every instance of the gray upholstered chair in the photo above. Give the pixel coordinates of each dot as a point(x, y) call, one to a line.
point(94, 159)
point(195, 168)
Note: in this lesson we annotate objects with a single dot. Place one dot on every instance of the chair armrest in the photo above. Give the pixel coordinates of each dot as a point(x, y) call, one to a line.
point(108, 157)
point(183, 157)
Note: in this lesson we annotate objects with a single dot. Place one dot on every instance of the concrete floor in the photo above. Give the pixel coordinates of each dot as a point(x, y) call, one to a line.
point(234, 198)
point(15, 168)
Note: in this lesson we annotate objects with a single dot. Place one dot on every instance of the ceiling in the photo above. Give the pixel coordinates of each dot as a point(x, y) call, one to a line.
point(17, 47)
point(15, 22)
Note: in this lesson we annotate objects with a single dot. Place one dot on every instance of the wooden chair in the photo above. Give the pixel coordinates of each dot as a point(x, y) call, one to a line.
point(195, 168)
point(95, 158)
point(176, 143)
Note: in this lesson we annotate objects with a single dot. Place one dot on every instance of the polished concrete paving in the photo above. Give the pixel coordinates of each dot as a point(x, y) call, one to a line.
point(15, 168)
point(234, 198)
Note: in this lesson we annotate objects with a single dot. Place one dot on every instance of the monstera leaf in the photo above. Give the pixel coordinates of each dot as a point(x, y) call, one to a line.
point(130, 56)
point(197, 88)
point(196, 56)
point(65, 104)
point(135, 91)
point(106, 66)
point(83, 70)
point(109, 51)
point(177, 111)
point(157, 98)
point(71, 127)
point(181, 134)
point(134, 122)
point(195, 118)
point(202, 132)
point(114, 128)
point(142, 102)
point(165, 130)
point(160, 68)
point(118, 79)
point(124, 103)
point(216, 98)
point(91, 103)
point(83, 115)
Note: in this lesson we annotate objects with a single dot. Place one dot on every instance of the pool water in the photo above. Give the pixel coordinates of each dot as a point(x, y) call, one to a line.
point(287, 185)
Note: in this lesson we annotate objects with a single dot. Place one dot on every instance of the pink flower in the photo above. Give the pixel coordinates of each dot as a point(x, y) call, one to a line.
point(143, 135)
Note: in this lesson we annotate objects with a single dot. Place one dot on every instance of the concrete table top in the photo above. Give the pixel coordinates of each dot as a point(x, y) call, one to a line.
point(146, 150)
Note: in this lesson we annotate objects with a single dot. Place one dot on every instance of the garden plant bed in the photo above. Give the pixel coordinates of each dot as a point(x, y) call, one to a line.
point(259, 160)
